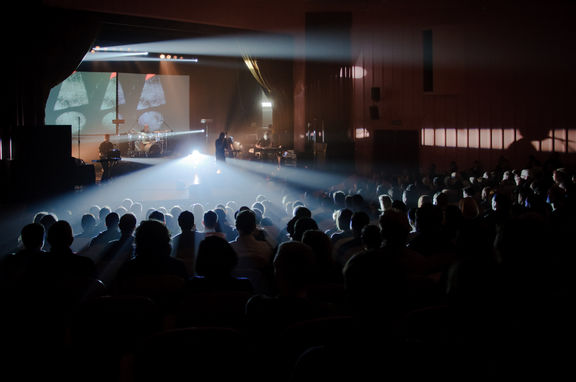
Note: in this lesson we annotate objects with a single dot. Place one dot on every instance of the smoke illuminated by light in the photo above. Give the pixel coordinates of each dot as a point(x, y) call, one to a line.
point(195, 178)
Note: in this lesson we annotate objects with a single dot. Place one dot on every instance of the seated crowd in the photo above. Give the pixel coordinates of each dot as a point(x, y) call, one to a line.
point(447, 260)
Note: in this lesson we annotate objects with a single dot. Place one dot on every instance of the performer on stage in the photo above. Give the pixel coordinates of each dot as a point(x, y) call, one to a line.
point(264, 142)
point(222, 144)
point(105, 147)
point(144, 140)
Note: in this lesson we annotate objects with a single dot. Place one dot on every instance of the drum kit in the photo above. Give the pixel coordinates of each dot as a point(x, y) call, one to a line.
point(152, 144)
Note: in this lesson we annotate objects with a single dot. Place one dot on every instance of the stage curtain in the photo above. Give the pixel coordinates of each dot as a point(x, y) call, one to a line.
point(252, 65)
point(50, 43)
point(275, 79)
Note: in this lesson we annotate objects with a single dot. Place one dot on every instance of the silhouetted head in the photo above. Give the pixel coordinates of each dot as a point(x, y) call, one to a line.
point(469, 207)
point(394, 227)
point(215, 257)
point(428, 218)
point(358, 221)
point(112, 219)
point(293, 264)
point(343, 219)
point(60, 235)
point(157, 215)
point(32, 236)
point(186, 220)
point(385, 202)
point(103, 212)
point(127, 223)
point(88, 222)
point(371, 237)
point(320, 244)
point(302, 225)
point(245, 222)
point(301, 211)
point(152, 239)
point(47, 220)
point(210, 219)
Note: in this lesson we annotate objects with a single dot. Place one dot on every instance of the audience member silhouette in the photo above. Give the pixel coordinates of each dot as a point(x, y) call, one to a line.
point(298, 212)
point(325, 270)
point(344, 249)
point(431, 240)
point(210, 223)
point(410, 196)
point(371, 237)
point(252, 254)
point(185, 244)
point(47, 219)
point(499, 267)
point(83, 239)
point(102, 213)
point(293, 267)
point(377, 284)
point(302, 225)
point(385, 202)
point(215, 263)
point(60, 278)
point(152, 254)
point(15, 267)
point(394, 231)
point(343, 225)
point(112, 232)
point(117, 252)
point(260, 233)
point(157, 215)
point(224, 226)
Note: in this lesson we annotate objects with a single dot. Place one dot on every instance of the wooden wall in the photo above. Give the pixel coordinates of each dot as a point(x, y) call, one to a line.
point(502, 85)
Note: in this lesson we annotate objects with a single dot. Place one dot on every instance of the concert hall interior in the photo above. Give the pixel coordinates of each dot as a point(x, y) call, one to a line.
point(327, 108)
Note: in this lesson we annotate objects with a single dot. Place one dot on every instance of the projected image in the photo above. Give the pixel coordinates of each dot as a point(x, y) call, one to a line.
point(91, 101)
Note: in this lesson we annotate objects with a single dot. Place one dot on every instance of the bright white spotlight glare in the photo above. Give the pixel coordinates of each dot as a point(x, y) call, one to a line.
point(195, 157)
point(266, 104)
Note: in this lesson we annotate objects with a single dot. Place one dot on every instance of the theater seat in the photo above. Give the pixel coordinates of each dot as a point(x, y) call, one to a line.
point(215, 308)
point(203, 353)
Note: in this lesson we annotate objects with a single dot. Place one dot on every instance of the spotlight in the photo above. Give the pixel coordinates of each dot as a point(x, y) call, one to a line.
point(194, 158)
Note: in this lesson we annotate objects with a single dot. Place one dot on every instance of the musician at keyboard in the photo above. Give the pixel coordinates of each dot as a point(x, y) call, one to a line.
point(105, 149)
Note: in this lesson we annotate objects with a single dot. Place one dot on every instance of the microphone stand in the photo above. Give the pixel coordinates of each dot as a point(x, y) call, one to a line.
point(78, 137)
point(165, 142)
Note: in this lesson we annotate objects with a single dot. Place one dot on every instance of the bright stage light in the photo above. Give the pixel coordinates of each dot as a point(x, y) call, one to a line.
point(195, 158)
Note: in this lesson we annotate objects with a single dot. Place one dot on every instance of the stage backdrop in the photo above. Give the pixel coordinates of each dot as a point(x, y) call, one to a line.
point(90, 101)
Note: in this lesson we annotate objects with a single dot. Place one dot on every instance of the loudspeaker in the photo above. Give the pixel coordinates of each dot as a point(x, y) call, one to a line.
point(42, 143)
point(374, 112)
point(375, 94)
